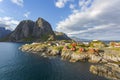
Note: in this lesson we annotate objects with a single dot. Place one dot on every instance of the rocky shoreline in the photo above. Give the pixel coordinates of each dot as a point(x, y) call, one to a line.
point(75, 52)
point(91, 54)
point(109, 70)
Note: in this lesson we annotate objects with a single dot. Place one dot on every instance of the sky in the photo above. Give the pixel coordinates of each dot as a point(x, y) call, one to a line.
point(84, 19)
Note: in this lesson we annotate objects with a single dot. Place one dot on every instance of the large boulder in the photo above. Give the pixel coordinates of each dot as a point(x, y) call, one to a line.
point(109, 70)
point(79, 57)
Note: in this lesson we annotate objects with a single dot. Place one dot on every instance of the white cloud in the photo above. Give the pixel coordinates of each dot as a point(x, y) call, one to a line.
point(100, 20)
point(100, 27)
point(84, 4)
point(72, 6)
point(18, 2)
point(26, 15)
point(62, 3)
point(8, 22)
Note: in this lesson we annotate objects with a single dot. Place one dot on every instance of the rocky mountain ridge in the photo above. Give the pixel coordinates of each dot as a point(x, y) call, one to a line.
point(30, 31)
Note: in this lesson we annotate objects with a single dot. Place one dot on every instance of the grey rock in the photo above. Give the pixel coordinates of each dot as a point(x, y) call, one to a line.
point(95, 59)
point(28, 30)
point(66, 54)
point(23, 30)
point(61, 36)
point(42, 28)
point(79, 57)
point(109, 70)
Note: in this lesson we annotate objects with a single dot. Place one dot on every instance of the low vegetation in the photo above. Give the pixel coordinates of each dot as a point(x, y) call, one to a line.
point(94, 52)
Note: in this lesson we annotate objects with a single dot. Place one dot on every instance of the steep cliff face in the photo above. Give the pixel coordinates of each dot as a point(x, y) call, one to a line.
point(23, 30)
point(28, 30)
point(39, 30)
point(42, 28)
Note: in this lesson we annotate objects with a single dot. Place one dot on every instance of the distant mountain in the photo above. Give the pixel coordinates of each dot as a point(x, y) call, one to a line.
point(82, 40)
point(30, 31)
point(4, 32)
point(88, 40)
point(61, 36)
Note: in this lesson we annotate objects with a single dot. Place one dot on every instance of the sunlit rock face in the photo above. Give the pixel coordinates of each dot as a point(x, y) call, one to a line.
point(28, 30)
point(110, 70)
point(42, 28)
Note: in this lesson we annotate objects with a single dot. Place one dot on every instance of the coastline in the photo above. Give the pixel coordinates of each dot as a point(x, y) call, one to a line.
point(75, 52)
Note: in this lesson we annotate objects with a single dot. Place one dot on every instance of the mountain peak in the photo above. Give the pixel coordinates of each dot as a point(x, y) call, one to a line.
point(40, 19)
point(32, 31)
point(39, 30)
point(41, 22)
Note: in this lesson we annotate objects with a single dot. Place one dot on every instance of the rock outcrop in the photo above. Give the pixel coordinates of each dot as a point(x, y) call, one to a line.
point(42, 49)
point(109, 70)
point(108, 58)
point(61, 36)
point(28, 30)
point(88, 54)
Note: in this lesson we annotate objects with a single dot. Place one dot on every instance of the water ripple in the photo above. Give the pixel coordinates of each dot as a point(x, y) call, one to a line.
point(16, 65)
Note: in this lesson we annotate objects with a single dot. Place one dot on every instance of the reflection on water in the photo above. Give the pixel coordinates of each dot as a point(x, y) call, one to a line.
point(16, 65)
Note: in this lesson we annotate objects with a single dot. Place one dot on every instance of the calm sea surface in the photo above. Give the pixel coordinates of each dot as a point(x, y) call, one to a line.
point(17, 65)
